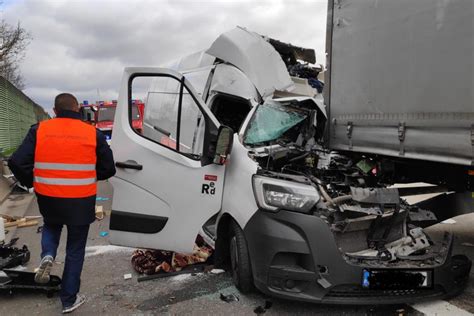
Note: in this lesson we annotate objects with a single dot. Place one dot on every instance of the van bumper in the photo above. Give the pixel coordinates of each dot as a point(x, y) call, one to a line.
point(294, 256)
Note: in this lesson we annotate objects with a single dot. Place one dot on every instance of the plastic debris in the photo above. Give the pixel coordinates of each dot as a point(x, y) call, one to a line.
point(229, 298)
point(127, 276)
point(103, 234)
point(100, 198)
point(217, 271)
point(11, 257)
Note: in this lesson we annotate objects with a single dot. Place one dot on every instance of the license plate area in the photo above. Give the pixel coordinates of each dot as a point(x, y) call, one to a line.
point(396, 279)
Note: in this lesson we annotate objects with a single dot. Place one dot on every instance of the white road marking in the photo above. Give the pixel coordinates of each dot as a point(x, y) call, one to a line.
point(439, 308)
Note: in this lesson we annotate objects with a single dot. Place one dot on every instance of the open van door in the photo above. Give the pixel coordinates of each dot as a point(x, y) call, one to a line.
point(168, 181)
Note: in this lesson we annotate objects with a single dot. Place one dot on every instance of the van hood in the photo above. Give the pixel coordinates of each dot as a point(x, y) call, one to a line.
point(255, 57)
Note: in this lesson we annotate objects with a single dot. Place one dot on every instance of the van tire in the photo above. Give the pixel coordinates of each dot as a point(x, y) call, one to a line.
point(240, 259)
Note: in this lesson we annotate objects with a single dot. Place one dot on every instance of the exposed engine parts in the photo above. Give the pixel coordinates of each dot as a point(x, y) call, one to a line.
point(370, 222)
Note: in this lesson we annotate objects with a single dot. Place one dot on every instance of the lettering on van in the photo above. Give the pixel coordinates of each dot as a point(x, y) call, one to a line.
point(210, 187)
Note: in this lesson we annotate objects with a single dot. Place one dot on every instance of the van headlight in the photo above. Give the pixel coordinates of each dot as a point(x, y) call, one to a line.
point(274, 194)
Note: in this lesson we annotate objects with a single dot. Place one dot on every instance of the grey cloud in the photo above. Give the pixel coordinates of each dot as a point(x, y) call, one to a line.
point(82, 46)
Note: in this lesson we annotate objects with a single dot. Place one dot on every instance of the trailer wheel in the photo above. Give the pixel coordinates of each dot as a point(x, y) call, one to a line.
point(240, 259)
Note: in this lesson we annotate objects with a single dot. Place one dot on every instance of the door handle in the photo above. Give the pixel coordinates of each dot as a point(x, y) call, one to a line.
point(129, 164)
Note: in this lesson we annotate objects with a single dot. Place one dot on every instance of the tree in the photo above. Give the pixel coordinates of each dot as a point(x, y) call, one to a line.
point(13, 42)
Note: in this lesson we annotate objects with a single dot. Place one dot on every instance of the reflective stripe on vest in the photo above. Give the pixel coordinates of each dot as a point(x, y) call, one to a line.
point(63, 166)
point(61, 181)
point(65, 159)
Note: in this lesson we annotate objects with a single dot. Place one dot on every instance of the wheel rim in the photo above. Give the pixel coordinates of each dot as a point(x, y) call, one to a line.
point(234, 259)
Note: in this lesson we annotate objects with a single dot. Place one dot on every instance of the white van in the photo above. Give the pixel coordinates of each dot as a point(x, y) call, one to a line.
point(231, 148)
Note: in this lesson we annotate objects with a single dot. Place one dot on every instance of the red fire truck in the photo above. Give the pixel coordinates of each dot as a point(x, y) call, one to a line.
point(102, 114)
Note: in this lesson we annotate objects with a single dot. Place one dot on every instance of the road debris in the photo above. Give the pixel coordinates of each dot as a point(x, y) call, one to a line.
point(99, 212)
point(217, 271)
point(12, 280)
point(127, 276)
point(27, 221)
point(156, 261)
point(259, 310)
point(189, 271)
point(229, 298)
point(11, 243)
point(11, 257)
point(103, 234)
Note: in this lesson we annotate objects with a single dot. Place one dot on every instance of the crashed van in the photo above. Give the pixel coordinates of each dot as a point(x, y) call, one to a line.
point(233, 148)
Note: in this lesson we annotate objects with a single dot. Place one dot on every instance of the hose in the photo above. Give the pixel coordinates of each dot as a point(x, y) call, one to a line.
point(341, 199)
point(325, 195)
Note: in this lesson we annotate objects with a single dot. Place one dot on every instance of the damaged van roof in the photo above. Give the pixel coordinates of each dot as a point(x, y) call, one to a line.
point(255, 57)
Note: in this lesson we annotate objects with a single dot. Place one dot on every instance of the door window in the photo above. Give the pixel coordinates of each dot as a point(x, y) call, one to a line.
point(170, 120)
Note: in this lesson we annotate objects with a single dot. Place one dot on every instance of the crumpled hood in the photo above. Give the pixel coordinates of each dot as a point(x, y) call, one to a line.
point(255, 57)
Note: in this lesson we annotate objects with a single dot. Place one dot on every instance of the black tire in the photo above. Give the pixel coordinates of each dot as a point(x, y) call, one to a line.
point(240, 259)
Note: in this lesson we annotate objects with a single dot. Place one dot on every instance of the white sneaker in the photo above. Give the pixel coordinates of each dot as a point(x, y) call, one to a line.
point(80, 299)
point(44, 270)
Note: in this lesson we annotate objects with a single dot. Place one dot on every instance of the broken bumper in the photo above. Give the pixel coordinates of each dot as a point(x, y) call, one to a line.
point(294, 256)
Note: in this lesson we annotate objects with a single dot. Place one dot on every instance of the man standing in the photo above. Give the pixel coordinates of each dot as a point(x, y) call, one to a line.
point(62, 159)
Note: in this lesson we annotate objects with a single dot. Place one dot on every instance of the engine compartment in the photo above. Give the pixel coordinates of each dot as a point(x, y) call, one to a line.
point(371, 224)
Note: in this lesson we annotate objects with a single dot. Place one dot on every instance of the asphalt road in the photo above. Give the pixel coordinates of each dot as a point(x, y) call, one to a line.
point(109, 293)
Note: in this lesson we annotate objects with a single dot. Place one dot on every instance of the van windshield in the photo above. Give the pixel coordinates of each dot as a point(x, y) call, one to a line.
point(270, 121)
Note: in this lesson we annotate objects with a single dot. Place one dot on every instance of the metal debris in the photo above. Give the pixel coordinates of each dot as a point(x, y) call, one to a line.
point(229, 298)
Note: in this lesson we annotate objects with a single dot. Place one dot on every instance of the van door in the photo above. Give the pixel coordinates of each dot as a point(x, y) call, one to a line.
point(166, 186)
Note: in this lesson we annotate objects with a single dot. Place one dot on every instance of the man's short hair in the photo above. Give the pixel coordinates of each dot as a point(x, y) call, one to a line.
point(65, 101)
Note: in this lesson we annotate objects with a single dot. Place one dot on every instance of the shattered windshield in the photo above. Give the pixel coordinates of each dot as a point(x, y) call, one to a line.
point(270, 121)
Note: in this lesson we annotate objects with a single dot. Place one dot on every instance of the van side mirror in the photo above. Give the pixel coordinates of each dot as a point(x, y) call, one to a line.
point(225, 139)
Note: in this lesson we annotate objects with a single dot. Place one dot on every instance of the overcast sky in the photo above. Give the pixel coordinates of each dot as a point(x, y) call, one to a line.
point(82, 46)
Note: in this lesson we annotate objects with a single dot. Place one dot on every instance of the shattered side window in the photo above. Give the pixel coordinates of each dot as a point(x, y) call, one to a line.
point(270, 121)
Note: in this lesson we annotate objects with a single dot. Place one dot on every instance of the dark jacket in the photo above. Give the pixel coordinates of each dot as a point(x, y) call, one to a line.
point(68, 211)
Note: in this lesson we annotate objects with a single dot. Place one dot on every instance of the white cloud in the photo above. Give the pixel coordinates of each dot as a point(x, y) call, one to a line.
point(82, 46)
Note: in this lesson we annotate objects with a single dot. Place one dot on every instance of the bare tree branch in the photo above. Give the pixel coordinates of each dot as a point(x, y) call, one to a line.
point(13, 43)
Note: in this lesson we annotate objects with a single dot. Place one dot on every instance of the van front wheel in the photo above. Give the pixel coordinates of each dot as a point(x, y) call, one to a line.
point(240, 259)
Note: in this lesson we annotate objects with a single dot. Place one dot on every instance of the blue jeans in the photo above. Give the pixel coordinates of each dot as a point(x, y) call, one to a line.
point(75, 251)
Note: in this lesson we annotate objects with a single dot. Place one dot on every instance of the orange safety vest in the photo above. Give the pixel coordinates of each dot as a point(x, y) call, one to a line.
point(65, 158)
